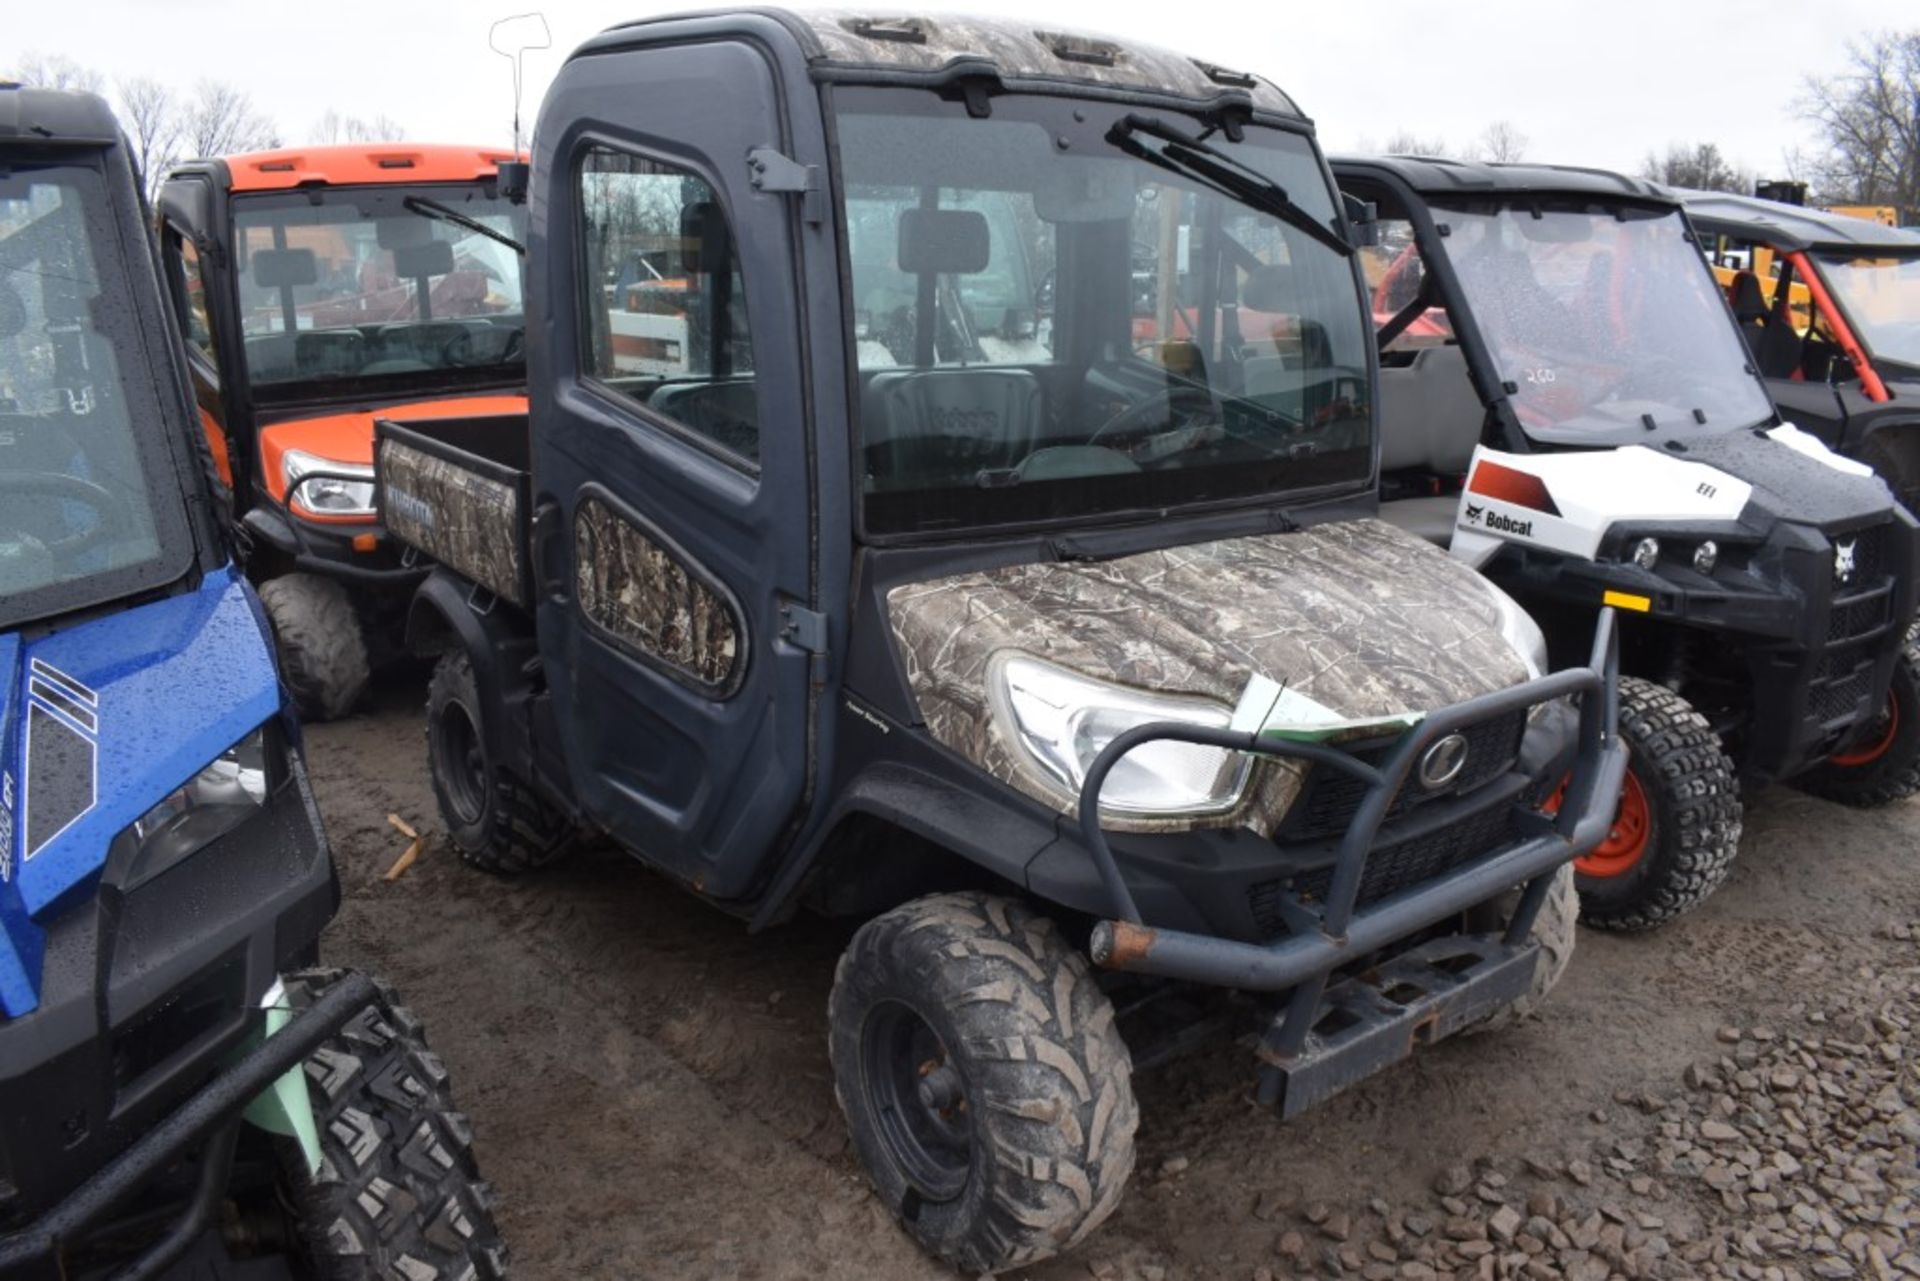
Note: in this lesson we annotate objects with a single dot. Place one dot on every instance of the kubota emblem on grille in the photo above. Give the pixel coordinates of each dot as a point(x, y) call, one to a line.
point(1441, 763)
point(1843, 565)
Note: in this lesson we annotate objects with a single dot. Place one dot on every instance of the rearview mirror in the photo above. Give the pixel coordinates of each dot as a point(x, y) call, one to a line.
point(435, 258)
point(944, 241)
point(1364, 217)
point(284, 268)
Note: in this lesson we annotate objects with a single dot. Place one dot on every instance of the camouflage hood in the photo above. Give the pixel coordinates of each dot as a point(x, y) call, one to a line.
point(1358, 616)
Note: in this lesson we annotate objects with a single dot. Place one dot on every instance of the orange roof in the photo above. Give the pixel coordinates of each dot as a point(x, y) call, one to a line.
point(363, 163)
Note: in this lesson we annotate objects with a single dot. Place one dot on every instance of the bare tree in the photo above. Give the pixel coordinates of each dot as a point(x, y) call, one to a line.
point(53, 71)
point(150, 114)
point(334, 127)
point(220, 119)
point(1405, 142)
point(1502, 143)
point(1700, 166)
point(1870, 117)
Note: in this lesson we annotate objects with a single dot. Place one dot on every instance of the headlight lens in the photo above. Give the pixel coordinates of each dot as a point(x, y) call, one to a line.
point(1060, 722)
point(1520, 632)
point(223, 794)
point(1646, 553)
point(1706, 556)
point(327, 495)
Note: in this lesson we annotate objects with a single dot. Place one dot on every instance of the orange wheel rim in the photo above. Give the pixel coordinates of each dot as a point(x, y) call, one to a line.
point(1876, 747)
point(1626, 842)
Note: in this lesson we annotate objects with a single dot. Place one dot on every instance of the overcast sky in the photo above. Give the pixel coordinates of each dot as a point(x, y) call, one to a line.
point(1591, 83)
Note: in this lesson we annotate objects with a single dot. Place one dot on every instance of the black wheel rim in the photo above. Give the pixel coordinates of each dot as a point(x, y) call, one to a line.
point(918, 1100)
point(463, 765)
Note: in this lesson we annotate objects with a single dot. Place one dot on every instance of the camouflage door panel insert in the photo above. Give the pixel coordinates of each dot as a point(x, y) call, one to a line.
point(466, 521)
point(641, 594)
point(1358, 615)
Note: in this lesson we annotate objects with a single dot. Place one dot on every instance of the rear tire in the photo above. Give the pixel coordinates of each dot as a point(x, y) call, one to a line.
point(1554, 930)
point(987, 1092)
point(497, 822)
point(1886, 767)
point(1678, 825)
point(323, 655)
point(398, 1193)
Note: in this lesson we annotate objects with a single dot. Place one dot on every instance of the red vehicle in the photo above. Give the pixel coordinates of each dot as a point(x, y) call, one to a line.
point(319, 288)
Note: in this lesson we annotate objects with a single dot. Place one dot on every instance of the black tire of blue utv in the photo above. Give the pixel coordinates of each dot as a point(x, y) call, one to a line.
point(497, 822)
point(398, 1193)
point(1555, 930)
point(1693, 799)
point(1894, 773)
point(1013, 1019)
point(316, 633)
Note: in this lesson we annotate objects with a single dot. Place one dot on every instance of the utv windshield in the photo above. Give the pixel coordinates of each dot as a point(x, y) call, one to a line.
point(1604, 322)
point(1066, 310)
point(374, 290)
point(89, 504)
point(1882, 301)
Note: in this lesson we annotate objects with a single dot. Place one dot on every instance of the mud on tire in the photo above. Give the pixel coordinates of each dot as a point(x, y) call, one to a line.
point(1887, 767)
point(987, 1092)
point(1692, 809)
point(398, 1193)
point(498, 824)
point(323, 655)
point(1554, 930)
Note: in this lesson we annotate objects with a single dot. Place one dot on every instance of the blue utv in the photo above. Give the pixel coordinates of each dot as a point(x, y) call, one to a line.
point(182, 1091)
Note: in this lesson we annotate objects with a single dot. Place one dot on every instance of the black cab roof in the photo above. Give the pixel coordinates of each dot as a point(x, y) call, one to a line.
point(54, 117)
point(1433, 176)
point(883, 45)
point(1789, 227)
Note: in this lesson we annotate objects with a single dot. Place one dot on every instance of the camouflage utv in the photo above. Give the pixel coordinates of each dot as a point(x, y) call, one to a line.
point(987, 550)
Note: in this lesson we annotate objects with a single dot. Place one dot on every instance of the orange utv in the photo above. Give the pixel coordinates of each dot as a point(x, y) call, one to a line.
point(319, 288)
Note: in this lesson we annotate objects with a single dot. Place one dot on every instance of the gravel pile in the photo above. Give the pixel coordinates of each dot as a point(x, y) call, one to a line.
point(1788, 1152)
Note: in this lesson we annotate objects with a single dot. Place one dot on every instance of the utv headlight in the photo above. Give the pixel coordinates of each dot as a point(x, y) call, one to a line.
point(224, 793)
point(327, 495)
point(1060, 721)
point(1520, 632)
point(1646, 553)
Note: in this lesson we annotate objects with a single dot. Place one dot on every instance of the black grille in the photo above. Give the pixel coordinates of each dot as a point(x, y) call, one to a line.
point(1869, 553)
point(1331, 797)
point(1852, 617)
point(1392, 868)
point(1838, 689)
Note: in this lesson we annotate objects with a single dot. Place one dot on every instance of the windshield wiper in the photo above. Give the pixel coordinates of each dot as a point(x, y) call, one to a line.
point(434, 209)
point(1192, 158)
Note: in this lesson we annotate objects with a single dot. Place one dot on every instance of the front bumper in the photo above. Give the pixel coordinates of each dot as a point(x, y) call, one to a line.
point(206, 1124)
point(147, 993)
point(1335, 930)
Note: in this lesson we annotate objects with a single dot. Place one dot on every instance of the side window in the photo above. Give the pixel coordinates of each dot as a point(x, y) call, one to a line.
point(1395, 274)
point(193, 297)
point(665, 316)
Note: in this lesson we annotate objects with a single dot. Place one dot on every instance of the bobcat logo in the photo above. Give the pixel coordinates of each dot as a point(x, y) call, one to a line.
point(1473, 513)
point(1843, 560)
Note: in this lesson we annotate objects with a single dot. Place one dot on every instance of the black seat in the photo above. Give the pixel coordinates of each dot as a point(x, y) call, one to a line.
point(927, 428)
point(1771, 339)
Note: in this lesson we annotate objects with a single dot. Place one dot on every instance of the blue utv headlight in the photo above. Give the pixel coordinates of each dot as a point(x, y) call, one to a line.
point(225, 792)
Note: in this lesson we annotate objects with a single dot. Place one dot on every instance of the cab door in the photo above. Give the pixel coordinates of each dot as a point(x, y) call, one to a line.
point(670, 457)
point(187, 285)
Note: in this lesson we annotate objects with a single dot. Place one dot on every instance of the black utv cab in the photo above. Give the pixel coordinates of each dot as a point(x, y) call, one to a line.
point(1830, 307)
point(1034, 625)
point(183, 1094)
point(1567, 404)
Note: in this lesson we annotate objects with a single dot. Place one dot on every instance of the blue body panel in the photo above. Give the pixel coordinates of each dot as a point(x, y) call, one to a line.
point(146, 697)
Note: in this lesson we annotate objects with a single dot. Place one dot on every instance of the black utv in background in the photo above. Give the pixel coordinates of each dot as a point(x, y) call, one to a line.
point(1566, 403)
point(182, 1093)
point(1845, 362)
point(1036, 626)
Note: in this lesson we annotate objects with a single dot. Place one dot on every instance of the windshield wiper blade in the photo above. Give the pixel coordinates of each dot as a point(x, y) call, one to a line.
point(434, 209)
point(1190, 157)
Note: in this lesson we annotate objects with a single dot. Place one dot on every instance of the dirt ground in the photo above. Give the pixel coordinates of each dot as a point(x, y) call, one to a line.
point(650, 1087)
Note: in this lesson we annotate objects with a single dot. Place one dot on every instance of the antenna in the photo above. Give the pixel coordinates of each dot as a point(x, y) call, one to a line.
point(522, 31)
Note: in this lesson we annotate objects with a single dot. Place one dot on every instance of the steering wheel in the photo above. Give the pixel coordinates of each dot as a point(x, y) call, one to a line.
point(1172, 409)
point(49, 484)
